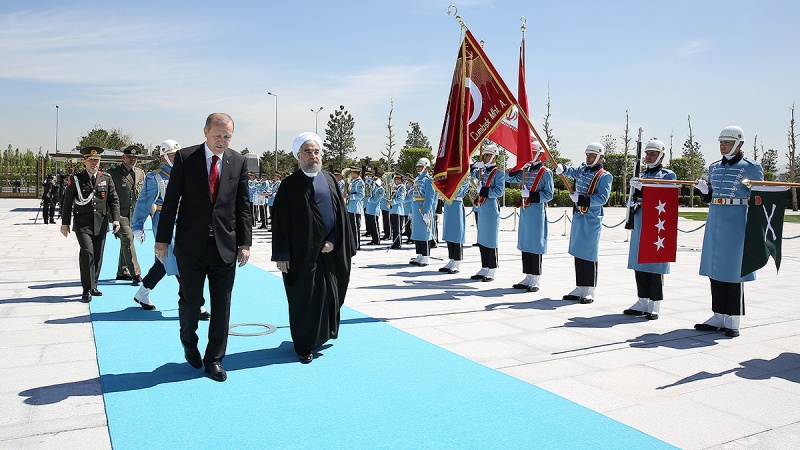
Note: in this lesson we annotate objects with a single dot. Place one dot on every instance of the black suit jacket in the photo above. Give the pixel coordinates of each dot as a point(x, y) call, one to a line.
point(188, 189)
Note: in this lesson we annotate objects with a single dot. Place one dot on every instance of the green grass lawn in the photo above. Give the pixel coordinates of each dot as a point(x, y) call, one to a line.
point(691, 215)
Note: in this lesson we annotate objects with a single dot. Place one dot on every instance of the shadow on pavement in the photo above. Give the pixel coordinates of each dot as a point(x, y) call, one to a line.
point(785, 366)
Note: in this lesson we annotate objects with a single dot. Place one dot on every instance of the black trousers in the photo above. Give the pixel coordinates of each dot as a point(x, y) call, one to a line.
point(254, 213)
point(271, 213)
point(154, 275)
point(385, 216)
point(423, 248)
point(531, 263)
point(372, 228)
point(455, 250)
point(48, 211)
point(220, 285)
point(488, 257)
point(262, 211)
point(355, 224)
point(407, 227)
point(727, 298)
point(649, 285)
point(394, 220)
point(90, 257)
point(585, 272)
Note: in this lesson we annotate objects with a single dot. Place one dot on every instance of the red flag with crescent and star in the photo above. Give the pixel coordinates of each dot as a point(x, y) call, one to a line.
point(658, 240)
point(478, 101)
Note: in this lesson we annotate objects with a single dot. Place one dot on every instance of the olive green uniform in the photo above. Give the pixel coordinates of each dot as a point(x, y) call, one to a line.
point(128, 184)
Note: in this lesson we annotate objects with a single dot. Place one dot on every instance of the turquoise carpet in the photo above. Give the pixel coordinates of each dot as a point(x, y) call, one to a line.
point(374, 387)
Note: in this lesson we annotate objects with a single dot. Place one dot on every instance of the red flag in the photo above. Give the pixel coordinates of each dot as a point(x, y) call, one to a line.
point(478, 101)
point(658, 241)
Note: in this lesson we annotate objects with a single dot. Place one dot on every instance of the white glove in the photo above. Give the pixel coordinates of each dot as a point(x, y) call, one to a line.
point(702, 186)
point(138, 235)
point(559, 169)
point(525, 193)
point(632, 204)
point(527, 164)
point(480, 165)
point(574, 197)
point(426, 218)
point(636, 183)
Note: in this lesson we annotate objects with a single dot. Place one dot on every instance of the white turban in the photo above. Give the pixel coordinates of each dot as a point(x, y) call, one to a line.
point(301, 139)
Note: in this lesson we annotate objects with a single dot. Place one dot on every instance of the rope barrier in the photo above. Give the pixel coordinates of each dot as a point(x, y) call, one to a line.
point(692, 231)
point(506, 217)
point(557, 220)
point(613, 226)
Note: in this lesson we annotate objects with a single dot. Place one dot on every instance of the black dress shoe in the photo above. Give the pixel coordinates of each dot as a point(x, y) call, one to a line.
point(193, 357)
point(395, 248)
point(520, 286)
point(476, 277)
point(532, 288)
point(124, 277)
point(570, 297)
point(633, 312)
point(96, 293)
point(476, 244)
point(204, 315)
point(145, 306)
point(216, 371)
point(652, 316)
point(586, 301)
point(414, 263)
point(452, 271)
point(86, 297)
point(262, 227)
point(444, 269)
point(137, 280)
point(305, 359)
point(730, 332)
point(487, 279)
point(706, 327)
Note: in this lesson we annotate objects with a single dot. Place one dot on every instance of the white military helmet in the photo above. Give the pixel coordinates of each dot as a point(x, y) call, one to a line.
point(655, 145)
point(424, 162)
point(597, 149)
point(732, 133)
point(167, 147)
point(490, 149)
point(537, 151)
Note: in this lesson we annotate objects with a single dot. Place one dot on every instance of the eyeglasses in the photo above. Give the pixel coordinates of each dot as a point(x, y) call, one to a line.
point(312, 152)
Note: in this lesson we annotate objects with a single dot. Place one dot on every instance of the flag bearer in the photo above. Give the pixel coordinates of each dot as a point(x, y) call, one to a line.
point(492, 186)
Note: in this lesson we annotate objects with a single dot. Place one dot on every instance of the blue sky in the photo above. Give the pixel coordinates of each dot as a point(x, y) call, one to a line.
point(156, 69)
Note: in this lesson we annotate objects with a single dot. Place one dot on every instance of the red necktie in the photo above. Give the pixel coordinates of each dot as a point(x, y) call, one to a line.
point(213, 178)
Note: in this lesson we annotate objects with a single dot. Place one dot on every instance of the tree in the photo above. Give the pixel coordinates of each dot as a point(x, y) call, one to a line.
point(99, 137)
point(671, 135)
point(755, 148)
point(697, 163)
point(245, 151)
point(389, 153)
point(792, 155)
point(552, 142)
point(615, 164)
point(609, 144)
point(339, 138)
point(626, 142)
point(769, 160)
point(415, 138)
point(407, 162)
point(287, 163)
point(682, 169)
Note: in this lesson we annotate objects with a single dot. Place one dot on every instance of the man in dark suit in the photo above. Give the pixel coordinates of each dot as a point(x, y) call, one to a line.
point(213, 231)
point(92, 198)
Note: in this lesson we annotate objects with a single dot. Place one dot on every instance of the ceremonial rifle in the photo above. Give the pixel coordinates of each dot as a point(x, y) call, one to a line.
point(637, 167)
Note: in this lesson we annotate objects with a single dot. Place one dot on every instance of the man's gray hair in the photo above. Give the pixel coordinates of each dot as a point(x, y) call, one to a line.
point(218, 119)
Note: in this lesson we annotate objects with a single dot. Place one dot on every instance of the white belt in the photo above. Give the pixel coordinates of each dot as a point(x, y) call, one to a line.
point(729, 201)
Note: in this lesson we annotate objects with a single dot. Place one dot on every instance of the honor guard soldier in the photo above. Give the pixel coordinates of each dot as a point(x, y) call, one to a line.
point(409, 179)
point(337, 175)
point(355, 202)
point(723, 241)
point(49, 199)
point(592, 189)
point(649, 277)
point(372, 205)
point(252, 187)
point(385, 214)
point(491, 186)
point(423, 199)
point(91, 198)
point(128, 181)
point(396, 205)
point(272, 191)
point(454, 229)
point(263, 211)
point(536, 185)
point(152, 195)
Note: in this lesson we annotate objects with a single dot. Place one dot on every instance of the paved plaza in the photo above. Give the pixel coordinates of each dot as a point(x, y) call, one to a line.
point(690, 389)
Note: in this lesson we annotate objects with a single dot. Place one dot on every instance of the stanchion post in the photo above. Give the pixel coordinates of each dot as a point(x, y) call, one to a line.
point(565, 223)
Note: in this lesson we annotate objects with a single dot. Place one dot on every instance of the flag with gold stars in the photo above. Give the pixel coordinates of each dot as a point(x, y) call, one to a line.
point(658, 241)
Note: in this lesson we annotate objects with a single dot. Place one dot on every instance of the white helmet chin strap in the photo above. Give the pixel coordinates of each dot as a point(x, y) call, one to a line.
point(730, 154)
point(657, 161)
point(168, 161)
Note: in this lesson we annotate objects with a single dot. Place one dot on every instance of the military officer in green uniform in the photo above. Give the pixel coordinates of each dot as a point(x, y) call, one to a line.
point(128, 181)
point(91, 198)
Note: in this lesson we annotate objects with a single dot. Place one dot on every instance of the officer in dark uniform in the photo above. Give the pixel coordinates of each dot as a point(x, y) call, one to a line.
point(49, 198)
point(90, 196)
point(128, 181)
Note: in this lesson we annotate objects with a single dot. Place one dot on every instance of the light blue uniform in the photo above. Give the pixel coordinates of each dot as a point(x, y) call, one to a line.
point(489, 211)
point(373, 202)
point(723, 241)
point(155, 185)
point(423, 200)
point(633, 252)
point(532, 235)
point(272, 191)
point(398, 200)
point(584, 238)
point(356, 198)
point(454, 227)
point(253, 188)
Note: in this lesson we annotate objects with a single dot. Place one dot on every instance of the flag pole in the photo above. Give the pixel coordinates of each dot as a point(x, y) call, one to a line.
point(749, 183)
point(544, 146)
point(662, 181)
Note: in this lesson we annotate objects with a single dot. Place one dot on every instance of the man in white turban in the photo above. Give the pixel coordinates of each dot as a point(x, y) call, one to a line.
point(312, 245)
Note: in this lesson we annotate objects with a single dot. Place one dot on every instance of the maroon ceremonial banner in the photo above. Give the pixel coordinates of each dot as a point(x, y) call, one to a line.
point(478, 101)
point(658, 240)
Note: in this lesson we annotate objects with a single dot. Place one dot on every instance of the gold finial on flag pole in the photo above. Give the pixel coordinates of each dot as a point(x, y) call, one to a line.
point(452, 10)
point(524, 22)
point(483, 43)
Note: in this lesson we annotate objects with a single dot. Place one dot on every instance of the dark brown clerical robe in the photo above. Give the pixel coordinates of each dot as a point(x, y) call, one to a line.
point(308, 212)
